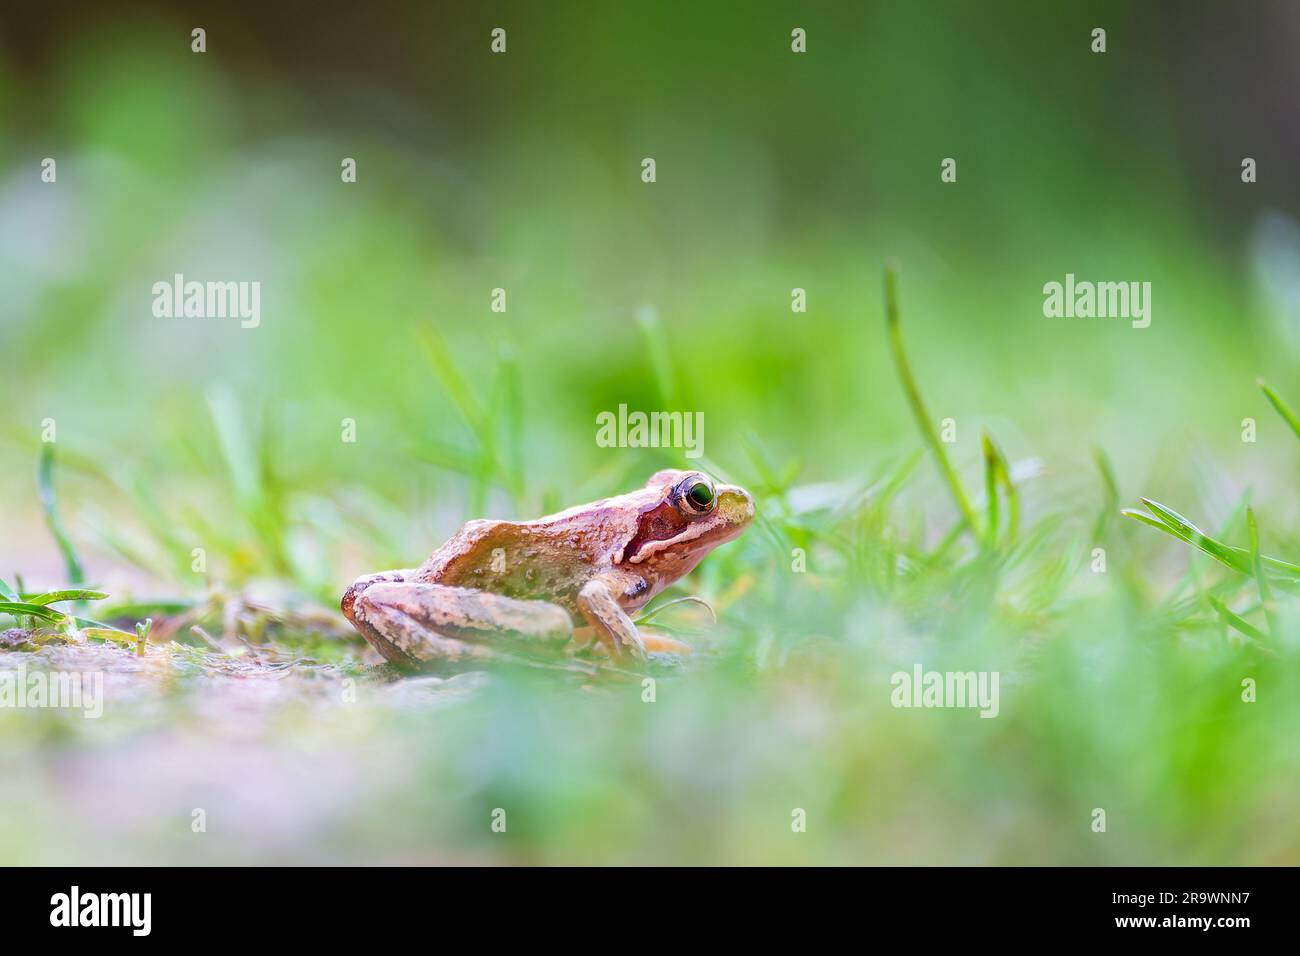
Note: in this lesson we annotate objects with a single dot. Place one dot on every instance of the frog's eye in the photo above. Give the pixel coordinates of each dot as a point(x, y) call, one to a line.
point(695, 495)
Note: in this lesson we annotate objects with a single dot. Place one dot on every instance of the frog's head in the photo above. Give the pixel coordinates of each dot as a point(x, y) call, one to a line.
point(684, 517)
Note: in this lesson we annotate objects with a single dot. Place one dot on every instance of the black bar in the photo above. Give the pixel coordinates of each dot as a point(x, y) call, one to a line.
point(330, 905)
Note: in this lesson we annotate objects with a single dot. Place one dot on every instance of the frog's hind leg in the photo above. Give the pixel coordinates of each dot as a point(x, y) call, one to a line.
point(413, 622)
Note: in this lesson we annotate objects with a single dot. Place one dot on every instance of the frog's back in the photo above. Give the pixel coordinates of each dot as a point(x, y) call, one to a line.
point(538, 560)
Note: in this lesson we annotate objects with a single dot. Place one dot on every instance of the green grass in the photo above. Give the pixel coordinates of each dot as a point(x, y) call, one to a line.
point(1121, 688)
point(1254, 571)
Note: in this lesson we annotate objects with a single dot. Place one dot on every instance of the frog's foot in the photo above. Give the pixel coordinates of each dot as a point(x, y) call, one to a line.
point(653, 643)
point(411, 622)
point(658, 644)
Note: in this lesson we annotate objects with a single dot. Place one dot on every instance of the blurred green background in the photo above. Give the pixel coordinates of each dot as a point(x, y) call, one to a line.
point(775, 170)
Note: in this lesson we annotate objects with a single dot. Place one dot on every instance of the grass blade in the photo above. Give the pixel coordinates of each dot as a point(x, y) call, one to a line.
point(1147, 519)
point(1237, 622)
point(1002, 472)
point(1257, 568)
point(917, 404)
point(73, 594)
point(1236, 558)
point(1277, 564)
point(1283, 409)
point(23, 609)
point(1171, 522)
point(990, 491)
point(50, 505)
point(1111, 487)
point(1194, 535)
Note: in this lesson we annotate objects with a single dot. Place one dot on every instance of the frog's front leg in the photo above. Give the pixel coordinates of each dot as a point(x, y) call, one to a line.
point(411, 622)
point(599, 603)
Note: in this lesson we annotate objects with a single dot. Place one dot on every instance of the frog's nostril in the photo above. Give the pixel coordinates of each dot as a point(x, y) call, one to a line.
point(741, 505)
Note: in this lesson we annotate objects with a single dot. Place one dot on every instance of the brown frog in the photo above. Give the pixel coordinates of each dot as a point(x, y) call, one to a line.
point(501, 590)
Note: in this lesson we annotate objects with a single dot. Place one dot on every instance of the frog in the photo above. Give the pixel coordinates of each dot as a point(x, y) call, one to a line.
point(562, 585)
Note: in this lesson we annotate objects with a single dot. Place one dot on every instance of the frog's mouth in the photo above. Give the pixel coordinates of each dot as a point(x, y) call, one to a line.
point(663, 528)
